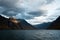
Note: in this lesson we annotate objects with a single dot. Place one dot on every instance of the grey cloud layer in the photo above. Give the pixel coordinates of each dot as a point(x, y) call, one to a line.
point(49, 1)
point(8, 3)
point(30, 15)
point(36, 13)
point(10, 9)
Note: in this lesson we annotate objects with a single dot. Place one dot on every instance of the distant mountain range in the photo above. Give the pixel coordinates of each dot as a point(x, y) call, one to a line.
point(50, 25)
point(43, 25)
point(13, 23)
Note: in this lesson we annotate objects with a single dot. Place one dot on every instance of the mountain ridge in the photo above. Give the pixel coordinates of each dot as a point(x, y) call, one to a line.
point(55, 24)
point(43, 25)
point(13, 23)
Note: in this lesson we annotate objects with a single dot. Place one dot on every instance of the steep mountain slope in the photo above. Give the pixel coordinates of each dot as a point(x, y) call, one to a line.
point(55, 24)
point(3, 23)
point(43, 25)
point(13, 23)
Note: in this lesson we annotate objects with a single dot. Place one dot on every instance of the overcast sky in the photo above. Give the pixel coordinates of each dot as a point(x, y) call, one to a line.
point(33, 11)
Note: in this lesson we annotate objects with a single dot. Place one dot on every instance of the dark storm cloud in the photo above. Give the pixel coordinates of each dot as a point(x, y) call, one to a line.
point(12, 12)
point(36, 13)
point(10, 9)
point(8, 3)
point(9, 13)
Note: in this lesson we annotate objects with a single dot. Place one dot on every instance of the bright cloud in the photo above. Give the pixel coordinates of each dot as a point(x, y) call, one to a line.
point(51, 14)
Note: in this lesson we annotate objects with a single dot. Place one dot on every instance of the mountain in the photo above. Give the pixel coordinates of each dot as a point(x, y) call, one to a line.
point(12, 23)
point(55, 24)
point(43, 25)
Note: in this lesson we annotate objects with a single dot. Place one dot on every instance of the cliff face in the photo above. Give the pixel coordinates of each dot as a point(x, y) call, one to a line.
point(13, 23)
point(55, 24)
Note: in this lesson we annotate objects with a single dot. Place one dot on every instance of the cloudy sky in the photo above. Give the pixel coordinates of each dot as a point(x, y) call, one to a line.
point(33, 11)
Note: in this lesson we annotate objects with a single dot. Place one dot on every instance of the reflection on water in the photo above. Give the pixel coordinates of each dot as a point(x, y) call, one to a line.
point(30, 35)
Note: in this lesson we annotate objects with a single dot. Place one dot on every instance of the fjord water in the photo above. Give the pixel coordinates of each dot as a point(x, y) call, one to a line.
point(30, 35)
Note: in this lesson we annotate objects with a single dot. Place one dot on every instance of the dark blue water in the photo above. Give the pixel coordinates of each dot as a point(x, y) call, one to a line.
point(30, 35)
